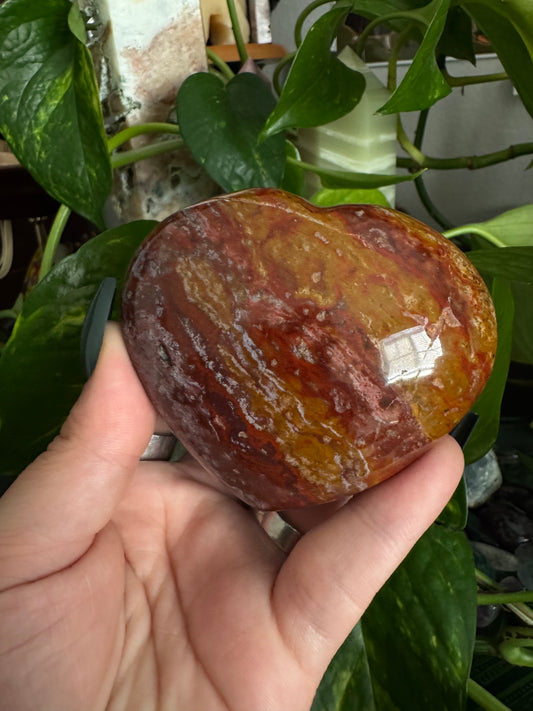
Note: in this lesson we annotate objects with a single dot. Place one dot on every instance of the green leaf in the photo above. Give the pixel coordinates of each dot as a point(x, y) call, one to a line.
point(347, 684)
point(511, 263)
point(415, 641)
point(507, 39)
point(488, 404)
point(457, 37)
point(329, 198)
point(294, 176)
point(76, 23)
point(423, 85)
point(514, 264)
point(432, 600)
point(319, 87)
point(50, 112)
point(455, 513)
point(522, 350)
point(40, 368)
point(518, 12)
point(221, 124)
point(513, 228)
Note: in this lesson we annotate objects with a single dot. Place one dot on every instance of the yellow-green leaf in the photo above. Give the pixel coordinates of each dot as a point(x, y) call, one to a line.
point(50, 112)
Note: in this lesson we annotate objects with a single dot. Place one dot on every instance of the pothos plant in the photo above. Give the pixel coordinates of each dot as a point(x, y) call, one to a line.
point(413, 648)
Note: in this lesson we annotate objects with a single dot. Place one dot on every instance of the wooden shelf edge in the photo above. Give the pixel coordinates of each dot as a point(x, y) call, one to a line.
point(229, 53)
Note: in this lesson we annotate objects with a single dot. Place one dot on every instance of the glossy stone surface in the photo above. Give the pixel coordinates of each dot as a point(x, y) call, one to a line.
point(302, 353)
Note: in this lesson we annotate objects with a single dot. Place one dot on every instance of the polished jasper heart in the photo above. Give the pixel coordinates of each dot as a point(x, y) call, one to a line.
point(302, 353)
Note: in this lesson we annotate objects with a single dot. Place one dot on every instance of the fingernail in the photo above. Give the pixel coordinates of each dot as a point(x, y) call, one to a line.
point(464, 428)
point(92, 332)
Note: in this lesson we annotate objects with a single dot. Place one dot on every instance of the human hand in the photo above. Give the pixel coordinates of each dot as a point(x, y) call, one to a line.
point(131, 585)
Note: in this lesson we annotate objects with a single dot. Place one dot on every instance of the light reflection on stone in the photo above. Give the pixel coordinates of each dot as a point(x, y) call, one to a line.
point(409, 354)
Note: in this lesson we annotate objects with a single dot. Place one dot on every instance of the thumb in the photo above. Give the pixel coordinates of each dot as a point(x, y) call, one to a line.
point(51, 513)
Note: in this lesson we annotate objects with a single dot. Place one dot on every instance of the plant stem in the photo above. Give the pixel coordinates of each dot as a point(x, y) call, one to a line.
point(302, 18)
point(520, 609)
point(58, 225)
point(484, 698)
point(470, 162)
point(420, 185)
point(392, 73)
point(504, 598)
point(421, 128)
point(483, 579)
point(432, 210)
point(379, 20)
point(277, 71)
point(517, 650)
point(347, 179)
point(239, 41)
point(132, 131)
point(123, 158)
point(418, 158)
point(468, 81)
point(474, 229)
point(520, 633)
point(219, 63)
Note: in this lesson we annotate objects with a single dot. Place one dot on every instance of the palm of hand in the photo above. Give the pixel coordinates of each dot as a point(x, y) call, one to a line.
point(170, 607)
point(201, 629)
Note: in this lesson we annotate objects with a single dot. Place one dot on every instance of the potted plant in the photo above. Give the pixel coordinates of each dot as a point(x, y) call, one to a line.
point(415, 645)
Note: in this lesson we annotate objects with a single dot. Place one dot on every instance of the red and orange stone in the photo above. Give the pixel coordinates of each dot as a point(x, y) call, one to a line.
point(303, 353)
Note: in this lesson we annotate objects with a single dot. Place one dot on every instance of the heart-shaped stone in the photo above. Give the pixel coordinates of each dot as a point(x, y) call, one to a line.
point(303, 353)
